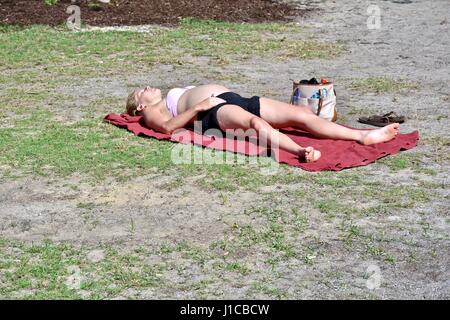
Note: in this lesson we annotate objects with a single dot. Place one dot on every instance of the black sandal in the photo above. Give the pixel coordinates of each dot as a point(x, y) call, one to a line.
point(384, 120)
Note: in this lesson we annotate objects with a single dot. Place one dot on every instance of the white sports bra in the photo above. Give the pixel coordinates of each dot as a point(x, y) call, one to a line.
point(172, 99)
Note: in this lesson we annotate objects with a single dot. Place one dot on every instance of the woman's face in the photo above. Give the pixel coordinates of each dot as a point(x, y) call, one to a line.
point(148, 96)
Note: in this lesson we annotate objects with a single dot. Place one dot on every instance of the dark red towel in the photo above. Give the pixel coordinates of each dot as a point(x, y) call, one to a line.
point(336, 154)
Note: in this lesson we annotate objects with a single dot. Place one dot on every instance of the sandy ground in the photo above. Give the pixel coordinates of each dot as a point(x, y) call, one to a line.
point(412, 43)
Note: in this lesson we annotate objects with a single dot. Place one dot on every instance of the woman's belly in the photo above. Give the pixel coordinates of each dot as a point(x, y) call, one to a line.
point(196, 95)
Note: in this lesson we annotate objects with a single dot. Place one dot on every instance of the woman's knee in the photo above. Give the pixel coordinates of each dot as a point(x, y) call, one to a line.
point(258, 124)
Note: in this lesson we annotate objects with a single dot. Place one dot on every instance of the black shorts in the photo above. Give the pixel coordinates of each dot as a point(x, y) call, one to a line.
point(209, 118)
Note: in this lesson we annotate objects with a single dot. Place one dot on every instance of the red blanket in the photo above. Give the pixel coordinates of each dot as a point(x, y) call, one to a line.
point(336, 154)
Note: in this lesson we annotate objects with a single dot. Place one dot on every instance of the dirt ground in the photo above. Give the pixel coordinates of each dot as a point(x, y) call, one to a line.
point(412, 43)
point(138, 12)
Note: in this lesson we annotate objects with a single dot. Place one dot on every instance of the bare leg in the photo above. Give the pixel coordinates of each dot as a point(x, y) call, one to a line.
point(280, 115)
point(234, 117)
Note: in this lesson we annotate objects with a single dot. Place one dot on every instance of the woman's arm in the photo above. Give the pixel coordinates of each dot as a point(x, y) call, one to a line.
point(156, 120)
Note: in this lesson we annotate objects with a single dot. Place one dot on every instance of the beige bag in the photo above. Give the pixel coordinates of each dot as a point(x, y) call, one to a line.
point(320, 98)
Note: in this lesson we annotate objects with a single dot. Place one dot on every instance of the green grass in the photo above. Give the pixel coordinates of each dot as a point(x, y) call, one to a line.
point(96, 52)
point(383, 84)
point(272, 292)
point(439, 141)
point(39, 145)
point(416, 162)
point(274, 236)
point(189, 251)
point(38, 270)
point(62, 271)
point(86, 205)
point(237, 267)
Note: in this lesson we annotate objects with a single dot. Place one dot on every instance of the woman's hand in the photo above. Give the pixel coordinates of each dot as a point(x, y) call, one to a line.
point(208, 103)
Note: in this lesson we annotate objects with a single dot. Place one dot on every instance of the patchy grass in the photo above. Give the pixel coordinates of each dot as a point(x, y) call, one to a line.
point(61, 271)
point(440, 144)
point(97, 52)
point(439, 141)
point(39, 145)
point(383, 85)
point(219, 39)
point(273, 292)
point(274, 235)
point(409, 160)
point(278, 234)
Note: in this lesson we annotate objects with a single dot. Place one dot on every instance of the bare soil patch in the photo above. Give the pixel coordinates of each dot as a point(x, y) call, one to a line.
point(138, 12)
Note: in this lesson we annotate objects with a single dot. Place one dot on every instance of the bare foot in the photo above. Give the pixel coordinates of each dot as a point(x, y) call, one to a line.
point(309, 154)
point(380, 135)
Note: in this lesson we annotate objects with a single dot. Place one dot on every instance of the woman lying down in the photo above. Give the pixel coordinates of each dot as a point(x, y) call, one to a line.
point(216, 107)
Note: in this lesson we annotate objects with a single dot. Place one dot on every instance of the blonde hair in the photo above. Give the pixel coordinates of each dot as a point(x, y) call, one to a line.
point(132, 103)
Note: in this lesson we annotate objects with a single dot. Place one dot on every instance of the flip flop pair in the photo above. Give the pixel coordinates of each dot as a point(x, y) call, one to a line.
point(383, 120)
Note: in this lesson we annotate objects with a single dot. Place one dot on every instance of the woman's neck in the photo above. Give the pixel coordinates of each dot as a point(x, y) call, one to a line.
point(161, 104)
